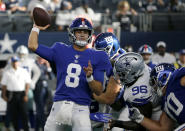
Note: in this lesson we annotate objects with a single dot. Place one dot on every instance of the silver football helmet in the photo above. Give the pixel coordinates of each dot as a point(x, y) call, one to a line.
point(22, 51)
point(128, 68)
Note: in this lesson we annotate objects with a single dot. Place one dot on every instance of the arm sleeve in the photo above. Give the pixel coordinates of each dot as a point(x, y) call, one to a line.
point(103, 61)
point(99, 75)
point(46, 52)
point(180, 72)
point(36, 73)
point(4, 79)
point(27, 77)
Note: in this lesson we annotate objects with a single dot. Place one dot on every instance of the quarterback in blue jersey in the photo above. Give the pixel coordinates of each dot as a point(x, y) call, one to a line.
point(80, 72)
point(171, 84)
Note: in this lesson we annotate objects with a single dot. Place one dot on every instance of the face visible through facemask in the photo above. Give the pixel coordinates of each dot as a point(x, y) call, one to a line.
point(81, 37)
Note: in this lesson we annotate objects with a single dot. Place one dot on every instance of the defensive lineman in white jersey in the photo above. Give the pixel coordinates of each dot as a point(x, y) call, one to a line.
point(129, 71)
point(137, 94)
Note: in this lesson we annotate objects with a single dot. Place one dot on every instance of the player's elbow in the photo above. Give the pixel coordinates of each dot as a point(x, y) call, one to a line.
point(32, 47)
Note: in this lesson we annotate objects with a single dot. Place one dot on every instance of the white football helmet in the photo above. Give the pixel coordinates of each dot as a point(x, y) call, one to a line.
point(22, 51)
point(128, 67)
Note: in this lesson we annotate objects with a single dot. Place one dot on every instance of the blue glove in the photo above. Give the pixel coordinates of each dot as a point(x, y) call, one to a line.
point(100, 117)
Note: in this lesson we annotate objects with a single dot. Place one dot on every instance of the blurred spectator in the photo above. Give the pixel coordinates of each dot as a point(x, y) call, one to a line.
point(38, 3)
point(181, 62)
point(2, 6)
point(15, 6)
point(128, 48)
point(124, 15)
point(30, 66)
point(84, 9)
point(63, 15)
point(15, 85)
point(152, 5)
point(176, 6)
point(162, 56)
point(146, 51)
point(55, 5)
point(42, 92)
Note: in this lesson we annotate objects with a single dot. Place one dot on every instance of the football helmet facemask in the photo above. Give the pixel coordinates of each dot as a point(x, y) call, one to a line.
point(128, 68)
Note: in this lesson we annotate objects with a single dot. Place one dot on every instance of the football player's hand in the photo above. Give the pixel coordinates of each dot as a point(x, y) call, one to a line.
point(135, 115)
point(40, 27)
point(101, 117)
point(109, 125)
point(88, 70)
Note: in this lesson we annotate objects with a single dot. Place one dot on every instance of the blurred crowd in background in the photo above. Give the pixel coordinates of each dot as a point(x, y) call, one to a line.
point(129, 15)
point(158, 14)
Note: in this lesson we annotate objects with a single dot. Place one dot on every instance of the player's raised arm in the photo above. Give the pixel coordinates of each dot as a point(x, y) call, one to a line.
point(33, 38)
point(42, 21)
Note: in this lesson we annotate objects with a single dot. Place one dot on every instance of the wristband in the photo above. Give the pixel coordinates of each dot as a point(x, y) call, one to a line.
point(36, 29)
point(89, 79)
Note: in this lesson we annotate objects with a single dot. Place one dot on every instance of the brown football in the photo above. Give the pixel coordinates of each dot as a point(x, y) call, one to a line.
point(41, 17)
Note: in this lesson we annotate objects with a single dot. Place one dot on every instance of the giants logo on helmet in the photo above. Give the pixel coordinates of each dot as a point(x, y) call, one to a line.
point(109, 39)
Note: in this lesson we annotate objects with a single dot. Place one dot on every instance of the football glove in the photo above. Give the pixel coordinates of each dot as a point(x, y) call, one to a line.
point(100, 117)
point(135, 115)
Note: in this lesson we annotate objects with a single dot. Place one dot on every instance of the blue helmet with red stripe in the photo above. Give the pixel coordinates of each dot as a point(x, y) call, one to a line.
point(108, 43)
point(80, 24)
point(145, 49)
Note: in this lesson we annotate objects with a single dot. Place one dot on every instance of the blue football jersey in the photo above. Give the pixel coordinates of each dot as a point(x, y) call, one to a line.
point(174, 100)
point(71, 78)
point(151, 65)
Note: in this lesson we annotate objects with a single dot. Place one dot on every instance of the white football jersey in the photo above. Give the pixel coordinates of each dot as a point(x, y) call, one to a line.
point(140, 92)
point(30, 65)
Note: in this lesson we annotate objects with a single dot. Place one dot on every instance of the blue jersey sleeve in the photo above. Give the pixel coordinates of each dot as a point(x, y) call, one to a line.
point(45, 52)
point(180, 72)
point(99, 75)
point(103, 61)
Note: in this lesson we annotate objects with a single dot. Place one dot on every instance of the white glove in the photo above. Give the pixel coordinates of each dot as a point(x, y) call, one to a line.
point(135, 115)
